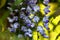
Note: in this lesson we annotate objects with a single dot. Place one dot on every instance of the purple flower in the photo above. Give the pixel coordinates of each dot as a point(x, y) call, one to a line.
point(44, 35)
point(27, 21)
point(36, 19)
point(32, 1)
point(11, 20)
point(46, 10)
point(16, 25)
point(23, 28)
point(28, 24)
point(22, 15)
point(45, 19)
point(36, 8)
point(29, 30)
point(40, 30)
point(25, 17)
point(27, 13)
point(28, 8)
point(28, 34)
point(46, 2)
point(33, 9)
point(32, 25)
point(15, 18)
point(46, 26)
point(12, 29)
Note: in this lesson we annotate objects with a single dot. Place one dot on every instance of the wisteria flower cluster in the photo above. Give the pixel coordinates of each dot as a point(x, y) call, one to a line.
point(24, 20)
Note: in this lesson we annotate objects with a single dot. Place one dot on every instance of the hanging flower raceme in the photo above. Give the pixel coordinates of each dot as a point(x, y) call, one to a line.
point(46, 18)
point(25, 19)
point(46, 2)
point(41, 31)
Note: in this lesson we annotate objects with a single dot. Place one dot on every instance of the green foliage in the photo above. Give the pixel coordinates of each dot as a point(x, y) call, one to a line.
point(17, 2)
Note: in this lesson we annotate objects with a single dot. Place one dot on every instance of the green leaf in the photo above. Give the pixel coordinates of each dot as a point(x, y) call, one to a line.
point(17, 2)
